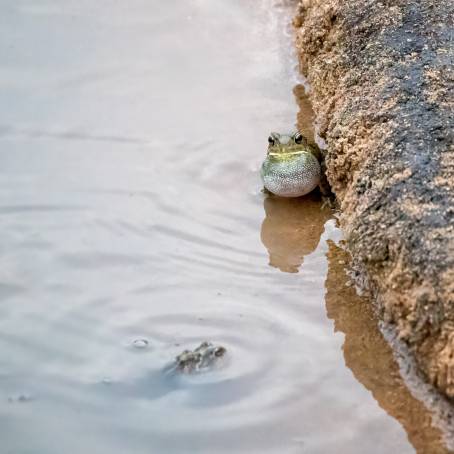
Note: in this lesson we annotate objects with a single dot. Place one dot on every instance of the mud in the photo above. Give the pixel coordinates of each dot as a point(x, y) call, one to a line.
point(381, 77)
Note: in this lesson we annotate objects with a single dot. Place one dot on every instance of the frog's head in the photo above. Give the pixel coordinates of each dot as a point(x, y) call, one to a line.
point(285, 143)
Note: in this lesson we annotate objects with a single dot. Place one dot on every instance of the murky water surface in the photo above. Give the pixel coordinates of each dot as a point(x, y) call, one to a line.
point(133, 227)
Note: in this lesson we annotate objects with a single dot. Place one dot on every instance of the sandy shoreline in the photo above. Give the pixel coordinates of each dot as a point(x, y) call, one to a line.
point(382, 89)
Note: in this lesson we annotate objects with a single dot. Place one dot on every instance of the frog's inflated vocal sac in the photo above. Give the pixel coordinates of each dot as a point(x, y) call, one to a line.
point(291, 168)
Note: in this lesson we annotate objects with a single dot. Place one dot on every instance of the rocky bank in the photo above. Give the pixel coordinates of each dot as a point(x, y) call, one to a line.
point(382, 86)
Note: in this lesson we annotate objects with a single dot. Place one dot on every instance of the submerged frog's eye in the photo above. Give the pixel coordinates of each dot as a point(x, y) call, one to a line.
point(298, 137)
point(271, 140)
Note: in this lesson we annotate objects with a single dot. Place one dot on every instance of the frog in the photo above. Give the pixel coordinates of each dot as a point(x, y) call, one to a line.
point(205, 356)
point(292, 167)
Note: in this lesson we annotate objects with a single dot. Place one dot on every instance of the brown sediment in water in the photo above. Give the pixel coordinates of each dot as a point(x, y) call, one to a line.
point(371, 359)
point(381, 76)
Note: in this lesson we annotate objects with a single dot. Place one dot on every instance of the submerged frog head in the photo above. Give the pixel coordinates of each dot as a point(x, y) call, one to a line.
point(285, 143)
point(203, 357)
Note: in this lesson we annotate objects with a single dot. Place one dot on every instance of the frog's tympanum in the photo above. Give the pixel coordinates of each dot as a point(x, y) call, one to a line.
point(291, 168)
point(206, 355)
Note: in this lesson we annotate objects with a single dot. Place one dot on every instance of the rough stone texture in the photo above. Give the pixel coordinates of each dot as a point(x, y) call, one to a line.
point(382, 83)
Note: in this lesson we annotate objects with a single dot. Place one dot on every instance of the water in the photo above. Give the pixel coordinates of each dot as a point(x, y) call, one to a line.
point(133, 227)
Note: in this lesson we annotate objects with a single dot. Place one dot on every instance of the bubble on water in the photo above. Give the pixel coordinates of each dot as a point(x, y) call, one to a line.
point(140, 344)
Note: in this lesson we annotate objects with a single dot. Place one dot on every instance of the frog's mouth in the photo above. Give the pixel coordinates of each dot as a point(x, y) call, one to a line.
point(286, 153)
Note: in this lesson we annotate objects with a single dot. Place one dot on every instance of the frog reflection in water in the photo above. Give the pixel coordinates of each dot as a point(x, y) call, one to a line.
point(205, 356)
point(292, 229)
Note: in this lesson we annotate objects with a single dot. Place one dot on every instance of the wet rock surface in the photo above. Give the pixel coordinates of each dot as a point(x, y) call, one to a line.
point(425, 416)
point(382, 87)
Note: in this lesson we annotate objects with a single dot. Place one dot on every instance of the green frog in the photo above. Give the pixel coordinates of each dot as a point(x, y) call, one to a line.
point(203, 357)
point(291, 167)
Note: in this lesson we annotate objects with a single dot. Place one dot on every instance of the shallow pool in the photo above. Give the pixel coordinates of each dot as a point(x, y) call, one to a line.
point(131, 208)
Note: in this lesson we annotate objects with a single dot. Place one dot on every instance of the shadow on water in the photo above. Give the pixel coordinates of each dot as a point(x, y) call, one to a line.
point(207, 388)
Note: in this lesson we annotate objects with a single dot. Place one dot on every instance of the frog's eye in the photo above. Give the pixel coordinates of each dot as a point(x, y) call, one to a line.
point(271, 140)
point(298, 137)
